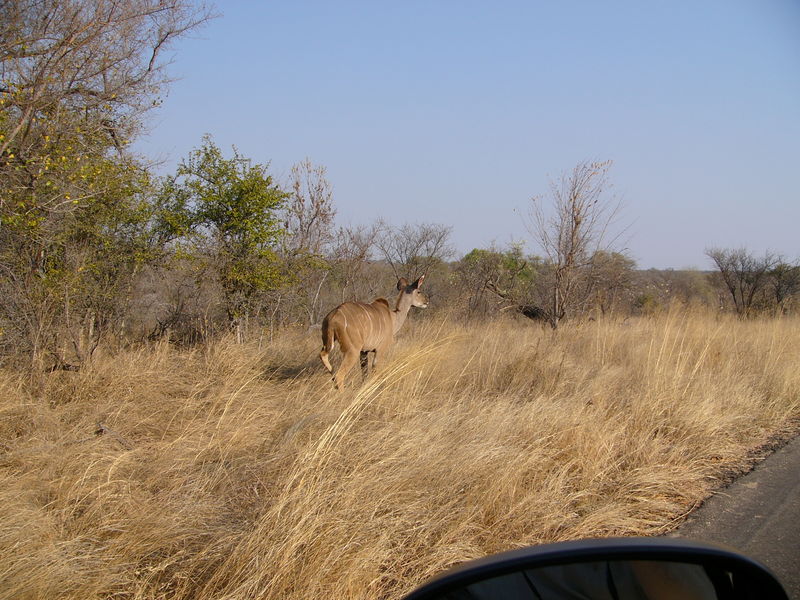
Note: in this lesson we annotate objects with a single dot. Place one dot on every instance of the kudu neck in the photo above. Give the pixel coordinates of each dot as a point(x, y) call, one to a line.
point(402, 306)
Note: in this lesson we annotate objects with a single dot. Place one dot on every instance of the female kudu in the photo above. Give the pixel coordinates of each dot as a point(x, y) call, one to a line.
point(363, 328)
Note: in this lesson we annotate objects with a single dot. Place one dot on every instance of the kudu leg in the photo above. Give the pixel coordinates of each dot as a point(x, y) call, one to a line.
point(367, 362)
point(349, 360)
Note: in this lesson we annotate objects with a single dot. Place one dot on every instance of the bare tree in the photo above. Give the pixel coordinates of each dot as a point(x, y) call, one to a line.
point(307, 245)
point(351, 257)
point(309, 211)
point(413, 250)
point(611, 277)
point(100, 57)
point(743, 275)
point(573, 231)
point(785, 283)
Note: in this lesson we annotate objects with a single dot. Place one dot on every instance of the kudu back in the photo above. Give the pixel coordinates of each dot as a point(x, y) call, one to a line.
point(362, 328)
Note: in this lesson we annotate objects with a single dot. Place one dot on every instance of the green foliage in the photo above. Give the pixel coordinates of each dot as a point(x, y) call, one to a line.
point(646, 304)
point(225, 211)
point(74, 214)
point(509, 268)
point(234, 197)
point(495, 278)
point(71, 242)
point(75, 207)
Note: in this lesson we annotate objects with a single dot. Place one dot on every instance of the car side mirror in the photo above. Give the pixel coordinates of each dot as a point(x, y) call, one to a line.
point(608, 569)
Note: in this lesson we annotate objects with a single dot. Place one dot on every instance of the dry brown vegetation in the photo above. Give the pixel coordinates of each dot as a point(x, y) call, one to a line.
point(233, 471)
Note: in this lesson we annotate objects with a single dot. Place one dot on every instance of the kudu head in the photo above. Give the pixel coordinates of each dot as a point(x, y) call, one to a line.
point(411, 294)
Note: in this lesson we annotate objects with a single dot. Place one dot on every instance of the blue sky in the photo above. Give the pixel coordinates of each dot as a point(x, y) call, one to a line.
point(458, 112)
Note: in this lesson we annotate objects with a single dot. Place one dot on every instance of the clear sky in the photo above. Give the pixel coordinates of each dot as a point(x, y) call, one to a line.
point(458, 112)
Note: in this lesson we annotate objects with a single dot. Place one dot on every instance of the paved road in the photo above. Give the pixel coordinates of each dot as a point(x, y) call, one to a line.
point(759, 515)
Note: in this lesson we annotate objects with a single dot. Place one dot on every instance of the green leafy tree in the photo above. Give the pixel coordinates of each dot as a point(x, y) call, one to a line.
point(225, 213)
point(76, 79)
point(503, 279)
point(67, 278)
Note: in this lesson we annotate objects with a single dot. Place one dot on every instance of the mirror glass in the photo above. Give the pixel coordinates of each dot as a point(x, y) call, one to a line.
point(604, 580)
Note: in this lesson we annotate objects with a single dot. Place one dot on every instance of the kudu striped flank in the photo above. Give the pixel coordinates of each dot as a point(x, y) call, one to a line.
point(362, 328)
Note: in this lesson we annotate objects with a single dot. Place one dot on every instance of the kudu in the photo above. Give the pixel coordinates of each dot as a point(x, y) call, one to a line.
point(362, 328)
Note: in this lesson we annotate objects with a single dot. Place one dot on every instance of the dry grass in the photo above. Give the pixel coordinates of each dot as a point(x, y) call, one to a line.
point(234, 472)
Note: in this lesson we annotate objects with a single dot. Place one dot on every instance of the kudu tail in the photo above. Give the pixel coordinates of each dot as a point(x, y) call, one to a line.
point(327, 345)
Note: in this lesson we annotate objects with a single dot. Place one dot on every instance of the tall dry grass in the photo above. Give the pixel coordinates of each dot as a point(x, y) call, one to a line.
point(237, 472)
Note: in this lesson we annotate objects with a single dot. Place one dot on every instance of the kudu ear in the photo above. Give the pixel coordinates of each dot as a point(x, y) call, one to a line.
point(402, 284)
point(418, 282)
